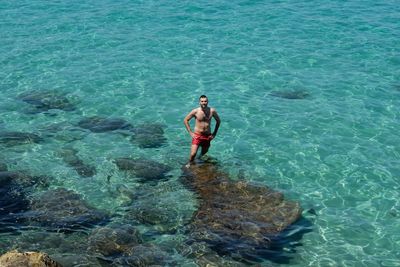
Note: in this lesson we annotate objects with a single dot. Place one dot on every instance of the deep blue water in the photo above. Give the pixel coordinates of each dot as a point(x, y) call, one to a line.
point(308, 94)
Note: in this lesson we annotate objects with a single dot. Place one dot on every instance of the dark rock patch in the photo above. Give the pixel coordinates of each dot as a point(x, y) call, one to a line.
point(26, 180)
point(155, 207)
point(3, 167)
point(70, 157)
point(19, 138)
point(114, 241)
point(98, 124)
point(144, 255)
point(149, 135)
point(13, 202)
point(239, 219)
point(144, 169)
point(203, 255)
point(63, 131)
point(290, 94)
point(122, 245)
point(43, 101)
point(64, 210)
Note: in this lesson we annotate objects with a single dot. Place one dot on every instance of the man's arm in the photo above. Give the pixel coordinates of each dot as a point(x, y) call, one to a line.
point(218, 122)
point(187, 119)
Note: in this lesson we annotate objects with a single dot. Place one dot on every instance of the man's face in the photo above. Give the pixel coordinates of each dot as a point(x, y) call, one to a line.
point(203, 102)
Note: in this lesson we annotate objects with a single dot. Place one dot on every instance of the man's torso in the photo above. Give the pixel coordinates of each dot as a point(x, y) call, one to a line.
point(203, 121)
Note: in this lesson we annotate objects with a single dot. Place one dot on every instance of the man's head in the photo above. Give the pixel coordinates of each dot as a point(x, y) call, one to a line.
point(203, 100)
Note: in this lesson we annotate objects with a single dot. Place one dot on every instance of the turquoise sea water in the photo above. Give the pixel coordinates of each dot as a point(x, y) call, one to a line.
point(335, 150)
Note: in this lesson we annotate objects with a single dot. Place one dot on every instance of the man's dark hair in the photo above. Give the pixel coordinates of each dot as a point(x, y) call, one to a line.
point(203, 96)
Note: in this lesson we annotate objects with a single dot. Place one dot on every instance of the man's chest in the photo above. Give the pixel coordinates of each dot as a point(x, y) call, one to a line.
point(203, 116)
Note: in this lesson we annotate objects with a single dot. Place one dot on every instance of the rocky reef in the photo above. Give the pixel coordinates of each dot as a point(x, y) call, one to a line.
point(122, 245)
point(229, 222)
point(64, 210)
point(235, 218)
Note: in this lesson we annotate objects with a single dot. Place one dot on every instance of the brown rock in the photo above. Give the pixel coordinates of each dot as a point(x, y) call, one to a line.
point(27, 259)
point(235, 215)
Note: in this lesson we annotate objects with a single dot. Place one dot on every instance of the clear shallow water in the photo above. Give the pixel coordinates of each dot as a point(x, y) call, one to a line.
point(335, 151)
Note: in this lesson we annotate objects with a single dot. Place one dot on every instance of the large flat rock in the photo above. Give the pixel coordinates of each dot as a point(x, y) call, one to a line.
point(236, 217)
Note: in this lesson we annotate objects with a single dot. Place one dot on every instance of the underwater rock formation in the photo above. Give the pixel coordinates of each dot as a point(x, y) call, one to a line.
point(144, 255)
point(98, 124)
point(149, 135)
point(25, 180)
point(144, 169)
point(45, 100)
point(290, 94)
point(63, 131)
point(237, 218)
point(3, 167)
point(64, 210)
point(27, 259)
point(204, 256)
point(19, 138)
point(13, 201)
point(122, 245)
point(156, 207)
point(114, 241)
point(70, 157)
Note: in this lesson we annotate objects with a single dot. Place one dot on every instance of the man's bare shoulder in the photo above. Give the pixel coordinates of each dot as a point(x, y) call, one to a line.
point(194, 111)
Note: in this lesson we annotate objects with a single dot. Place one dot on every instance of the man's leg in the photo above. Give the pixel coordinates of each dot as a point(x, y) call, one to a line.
point(193, 152)
point(204, 149)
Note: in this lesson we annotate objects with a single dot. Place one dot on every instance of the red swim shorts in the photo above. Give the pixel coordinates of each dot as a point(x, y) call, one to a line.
point(202, 139)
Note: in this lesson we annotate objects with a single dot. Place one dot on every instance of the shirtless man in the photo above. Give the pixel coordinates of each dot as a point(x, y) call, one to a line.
point(202, 130)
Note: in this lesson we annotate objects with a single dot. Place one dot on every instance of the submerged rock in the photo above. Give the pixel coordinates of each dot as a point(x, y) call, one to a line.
point(114, 241)
point(27, 259)
point(25, 180)
point(45, 100)
point(149, 135)
point(290, 94)
point(3, 167)
point(64, 210)
point(15, 187)
point(19, 138)
point(203, 255)
point(70, 157)
point(157, 207)
point(13, 202)
point(144, 169)
point(62, 131)
point(122, 245)
point(98, 124)
point(238, 218)
point(144, 255)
